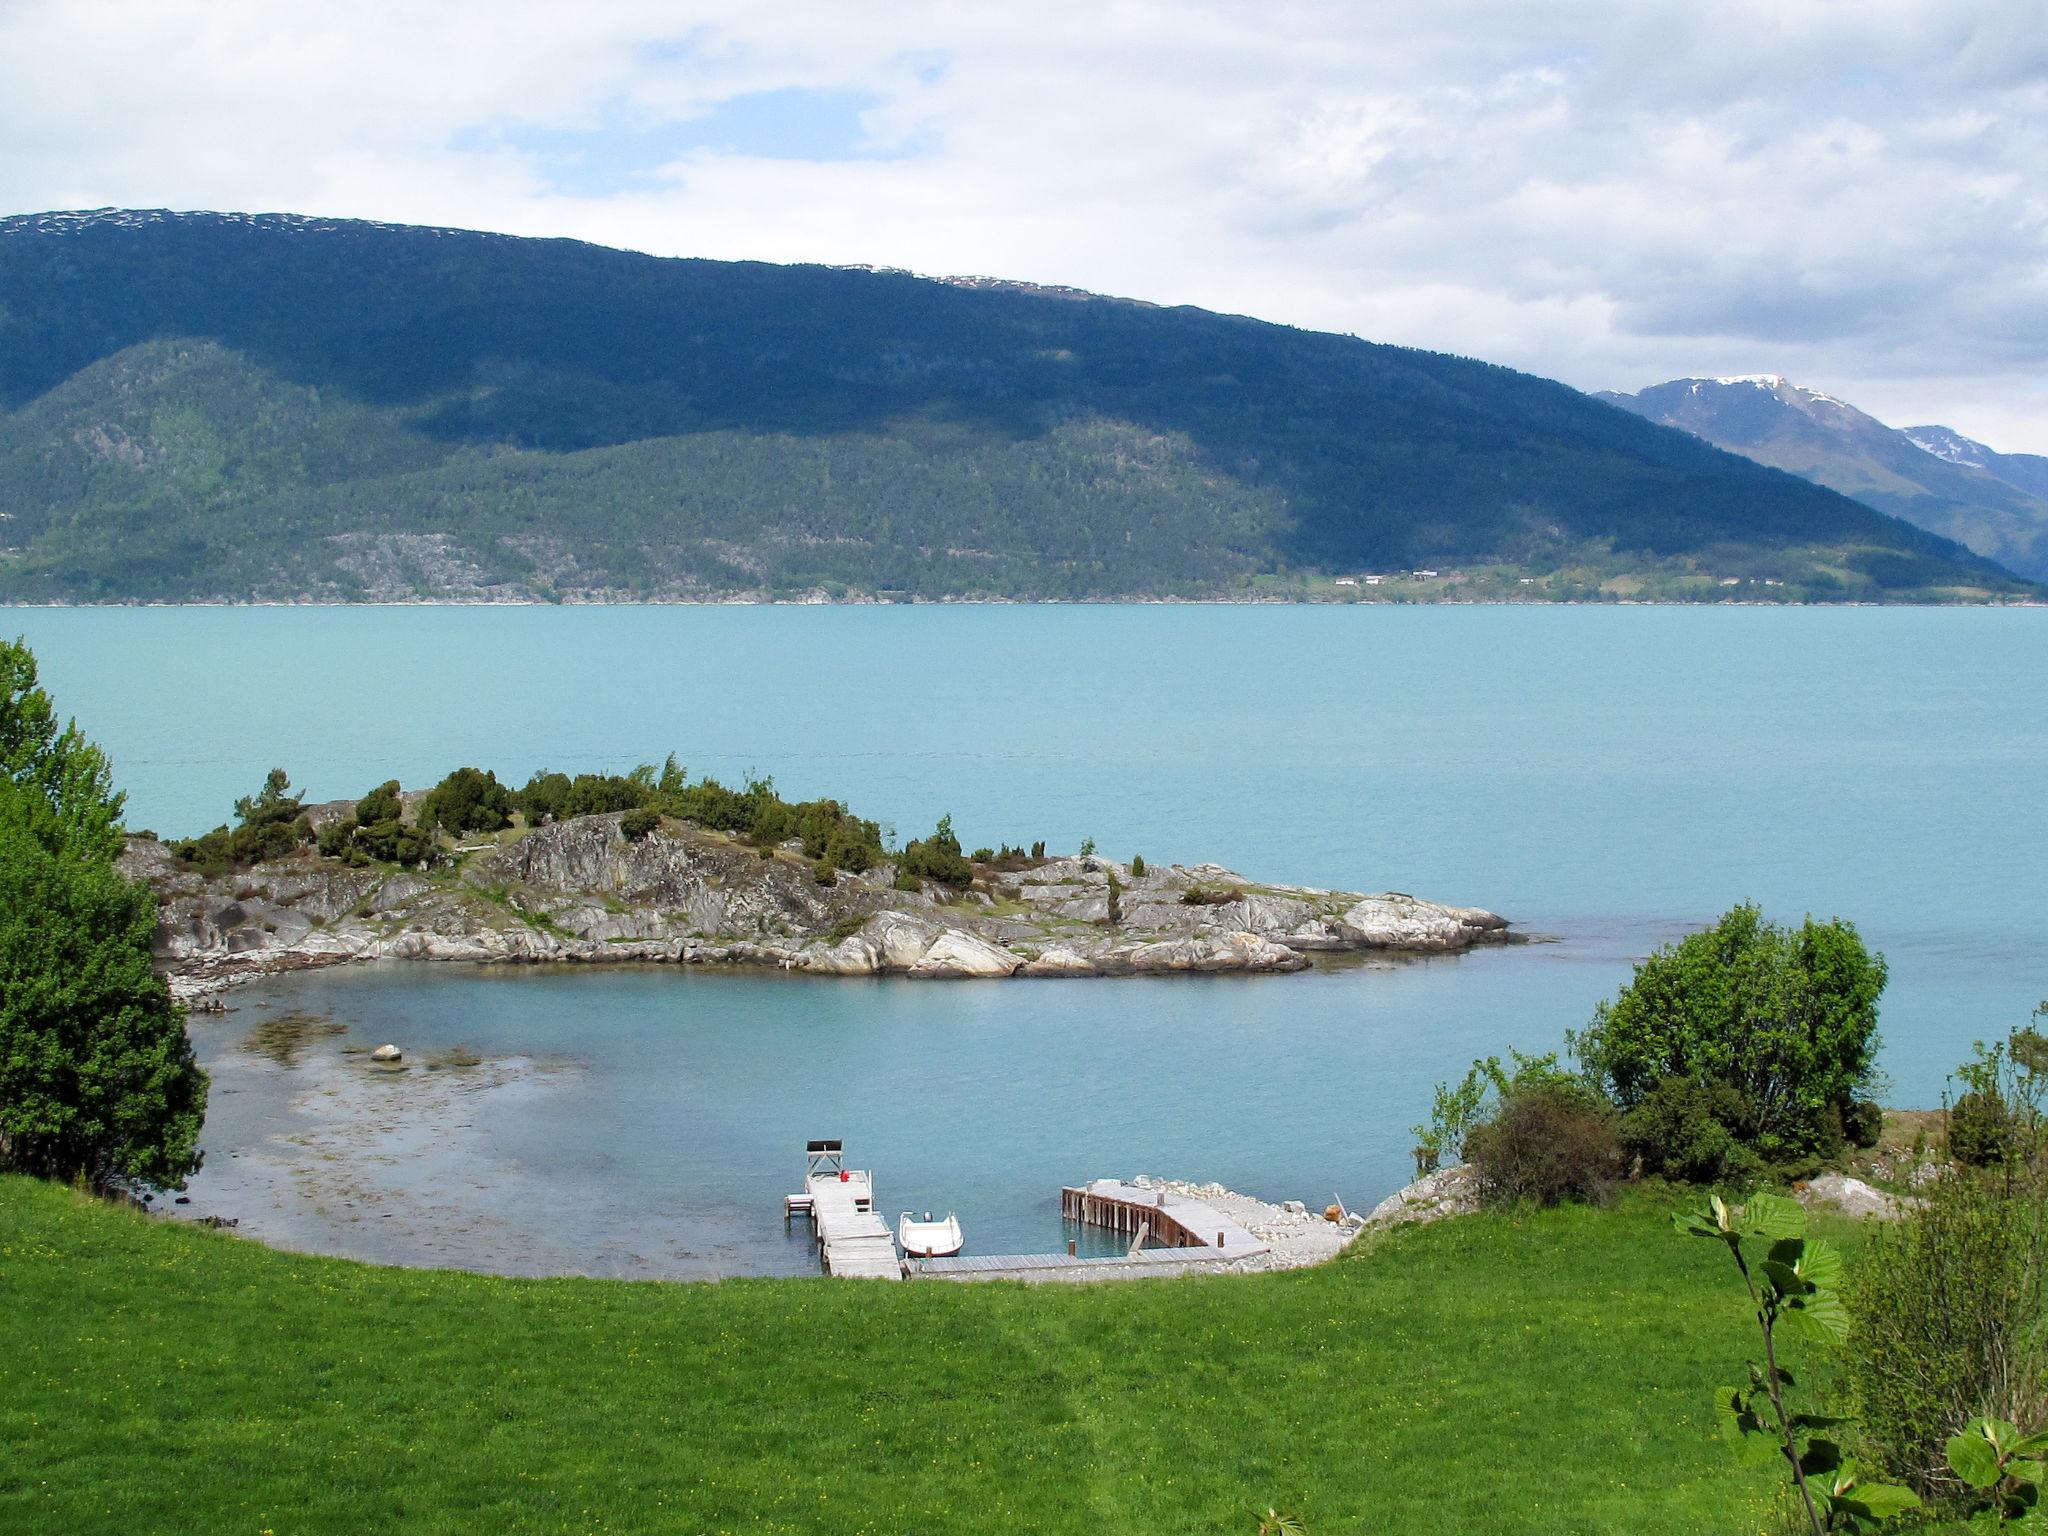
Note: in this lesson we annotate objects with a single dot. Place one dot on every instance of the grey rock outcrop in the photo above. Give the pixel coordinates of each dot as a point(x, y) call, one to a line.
point(1450, 1191)
point(580, 891)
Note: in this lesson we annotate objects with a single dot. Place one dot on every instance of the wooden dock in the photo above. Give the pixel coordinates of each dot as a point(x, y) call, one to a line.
point(1192, 1234)
point(853, 1241)
point(1171, 1220)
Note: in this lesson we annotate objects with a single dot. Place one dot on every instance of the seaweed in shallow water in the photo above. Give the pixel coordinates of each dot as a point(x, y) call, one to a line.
point(284, 1037)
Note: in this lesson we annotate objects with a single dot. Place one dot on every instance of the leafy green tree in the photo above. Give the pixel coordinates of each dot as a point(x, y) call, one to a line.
point(97, 1078)
point(70, 787)
point(1787, 1018)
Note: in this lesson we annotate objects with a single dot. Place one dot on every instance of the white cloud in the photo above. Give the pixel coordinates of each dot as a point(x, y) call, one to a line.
point(1607, 191)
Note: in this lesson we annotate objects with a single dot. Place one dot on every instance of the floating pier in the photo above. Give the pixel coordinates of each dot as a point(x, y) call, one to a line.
point(853, 1241)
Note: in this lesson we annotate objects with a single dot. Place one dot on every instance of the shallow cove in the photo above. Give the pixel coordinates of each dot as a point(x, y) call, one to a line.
point(1612, 776)
point(648, 1120)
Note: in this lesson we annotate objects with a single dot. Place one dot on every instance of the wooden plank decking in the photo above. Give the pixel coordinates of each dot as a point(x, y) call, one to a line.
point(1177, 1221)
point(854, 1241)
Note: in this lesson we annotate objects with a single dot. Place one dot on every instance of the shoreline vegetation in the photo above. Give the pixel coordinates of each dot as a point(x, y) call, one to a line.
point(1324, 595)
point(652, 867)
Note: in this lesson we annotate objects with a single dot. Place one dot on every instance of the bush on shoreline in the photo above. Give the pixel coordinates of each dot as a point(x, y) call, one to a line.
point(1785, 1020)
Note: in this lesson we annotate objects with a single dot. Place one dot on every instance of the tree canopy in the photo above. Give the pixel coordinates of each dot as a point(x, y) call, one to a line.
point(1786, 1018)
point(97, 1076)
point(69, 798)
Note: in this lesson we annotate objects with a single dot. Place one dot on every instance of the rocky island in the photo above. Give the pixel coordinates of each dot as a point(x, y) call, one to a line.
point(584, 890)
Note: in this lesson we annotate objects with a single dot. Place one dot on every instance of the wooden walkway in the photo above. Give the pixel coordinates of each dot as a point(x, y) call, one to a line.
point(1177, 1221)
point(854, 1242)
point(1193, 1234)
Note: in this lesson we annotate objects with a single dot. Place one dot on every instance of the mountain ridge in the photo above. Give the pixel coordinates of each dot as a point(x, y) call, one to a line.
point(1995, 504)
point(287, 407)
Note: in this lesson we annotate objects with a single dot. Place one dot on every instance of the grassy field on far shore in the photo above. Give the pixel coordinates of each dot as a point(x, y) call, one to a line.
point(1547, 1373)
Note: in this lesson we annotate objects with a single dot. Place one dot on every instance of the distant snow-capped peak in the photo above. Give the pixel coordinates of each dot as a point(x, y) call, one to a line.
point(1771, 384)
point(1945, 443)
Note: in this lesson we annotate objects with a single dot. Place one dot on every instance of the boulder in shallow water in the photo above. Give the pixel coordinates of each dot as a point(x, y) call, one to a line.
point(387, 1053)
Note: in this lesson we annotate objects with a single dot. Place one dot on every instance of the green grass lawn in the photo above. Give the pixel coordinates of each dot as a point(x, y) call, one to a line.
point(1549, 1372)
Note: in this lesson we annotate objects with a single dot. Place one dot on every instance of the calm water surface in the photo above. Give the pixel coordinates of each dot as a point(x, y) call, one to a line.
point(1609, 777)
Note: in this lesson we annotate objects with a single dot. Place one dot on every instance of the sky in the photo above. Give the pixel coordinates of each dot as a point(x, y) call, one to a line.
point(1853, 193)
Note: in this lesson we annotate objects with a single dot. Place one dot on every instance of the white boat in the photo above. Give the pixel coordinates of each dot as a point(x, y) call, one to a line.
point(928, 1239)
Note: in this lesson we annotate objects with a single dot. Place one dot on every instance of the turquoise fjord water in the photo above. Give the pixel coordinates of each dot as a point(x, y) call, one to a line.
point(1609, 777)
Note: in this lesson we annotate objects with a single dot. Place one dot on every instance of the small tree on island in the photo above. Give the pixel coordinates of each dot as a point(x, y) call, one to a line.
point(97, 1077)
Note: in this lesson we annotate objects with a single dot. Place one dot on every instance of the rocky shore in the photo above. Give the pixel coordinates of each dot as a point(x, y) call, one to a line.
point(581, 891)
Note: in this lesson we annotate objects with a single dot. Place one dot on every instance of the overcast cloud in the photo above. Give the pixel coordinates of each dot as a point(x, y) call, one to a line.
point(1610, 192)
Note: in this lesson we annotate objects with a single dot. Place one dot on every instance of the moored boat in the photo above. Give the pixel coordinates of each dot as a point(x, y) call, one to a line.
point(929, 1239)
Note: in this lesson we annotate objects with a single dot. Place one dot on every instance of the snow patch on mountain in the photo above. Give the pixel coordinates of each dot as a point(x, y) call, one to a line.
point(78, 221)
point(1950, 445)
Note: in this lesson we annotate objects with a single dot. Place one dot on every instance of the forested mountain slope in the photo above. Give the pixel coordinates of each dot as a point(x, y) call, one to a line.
point(200, 406)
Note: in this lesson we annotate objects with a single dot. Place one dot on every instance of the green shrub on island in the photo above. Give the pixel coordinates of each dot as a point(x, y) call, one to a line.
point(637, 823)
point(468, 800)
point(825, 828)
point(1998, 1119)
point(97, 1077)
point(384, 803)
point(1211, 895)
point(543, 798)
point(937, 858)
point(1138, 866)
point(378, 833)
point(1787, 1018)
point(270, 824)
point(396, 842)
point(1863, 1123)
